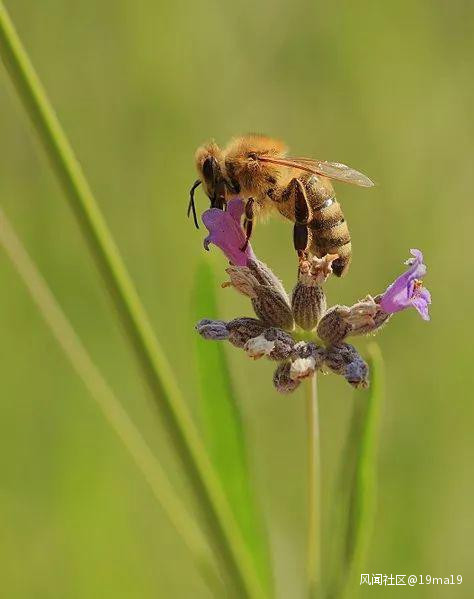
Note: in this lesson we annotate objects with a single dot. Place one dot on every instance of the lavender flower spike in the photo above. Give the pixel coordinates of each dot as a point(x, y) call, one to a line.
point(226, 232)
point(408, 289)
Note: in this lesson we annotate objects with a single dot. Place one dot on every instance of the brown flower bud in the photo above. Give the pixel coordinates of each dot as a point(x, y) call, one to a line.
point(272, 308)
point(304, 349)
point(307, 358)
point(302, 368)
point(257, 347)
point(308, 303)
point(243, 329)
point(357, 374)
point(338, 356)
point(265, 276)
point(333, 327)
point(344, 359)
point(212, 329)
point(378, 320)
point(273, 343)
point(242, 280)
point(281, 351)
point(283, 343)
point(361, 315)
point(364, 317)
point(282, 380)
point(269, 304)
point(273, 333)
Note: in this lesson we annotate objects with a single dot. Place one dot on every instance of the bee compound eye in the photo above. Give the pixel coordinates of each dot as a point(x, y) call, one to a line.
point(252, 155)
point(208, 168)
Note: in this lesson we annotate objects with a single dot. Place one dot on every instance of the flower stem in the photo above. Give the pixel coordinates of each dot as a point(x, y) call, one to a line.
point(314, 491)
point(223, 530)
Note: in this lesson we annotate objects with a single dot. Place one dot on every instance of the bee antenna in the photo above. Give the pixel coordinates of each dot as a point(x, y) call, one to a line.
point(191, 205)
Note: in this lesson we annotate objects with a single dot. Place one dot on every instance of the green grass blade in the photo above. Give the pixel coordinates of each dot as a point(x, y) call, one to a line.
point(223, 531)
point(222, 427)
point(354, 500)
point(108, 403)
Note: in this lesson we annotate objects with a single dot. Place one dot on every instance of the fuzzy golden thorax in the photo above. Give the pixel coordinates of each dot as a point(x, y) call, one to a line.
point(254, 177)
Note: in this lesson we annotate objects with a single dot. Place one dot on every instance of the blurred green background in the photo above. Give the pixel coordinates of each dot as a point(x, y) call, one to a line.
point(385, 87)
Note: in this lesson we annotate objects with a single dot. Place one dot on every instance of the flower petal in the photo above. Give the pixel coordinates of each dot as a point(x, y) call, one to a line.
point(236, 208)
point(418, 269)
point(425, 294)
point(399, 294)
point(396, 296)
point(225, 232)
point(422, 307)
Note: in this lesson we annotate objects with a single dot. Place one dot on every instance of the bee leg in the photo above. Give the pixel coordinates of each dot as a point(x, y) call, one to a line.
point(248, 222)
point(289, 192)
point(301, 239)
point(219, 195)
point(192, 205)
point(301, 232)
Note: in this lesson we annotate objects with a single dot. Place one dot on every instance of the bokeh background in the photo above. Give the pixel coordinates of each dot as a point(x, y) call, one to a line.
point(385, 87)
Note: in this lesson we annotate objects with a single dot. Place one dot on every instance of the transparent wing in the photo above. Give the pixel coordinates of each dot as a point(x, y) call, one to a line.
point(333, 170)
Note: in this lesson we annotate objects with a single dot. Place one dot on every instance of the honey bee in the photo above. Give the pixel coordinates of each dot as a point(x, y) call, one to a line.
point(257, 169)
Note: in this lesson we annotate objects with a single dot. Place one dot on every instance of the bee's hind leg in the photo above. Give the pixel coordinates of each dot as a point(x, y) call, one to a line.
point(248, 222)
point(301, 231)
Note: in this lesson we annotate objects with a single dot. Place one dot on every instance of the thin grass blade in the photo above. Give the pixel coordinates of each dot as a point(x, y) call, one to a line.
point(223, 429)
point(109, 404)
point(223, 531)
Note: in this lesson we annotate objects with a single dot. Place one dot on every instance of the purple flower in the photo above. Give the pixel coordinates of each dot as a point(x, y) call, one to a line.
point(226, 232)
point(408, 289)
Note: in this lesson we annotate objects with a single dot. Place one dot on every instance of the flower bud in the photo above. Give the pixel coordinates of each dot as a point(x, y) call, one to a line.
point(308, 303)
point(357, 374)
point(282, 380)
point(243, 280)
point(273, 343)
point(272, 308)
point(339, 356)
point(333, 327)
point(361, 314)
point(243, 329)
point(265, 276)
point(302, 349)
point(269, 304)
point(366, 316)
point(302, 368)
point(281, 351)
point(212, 329)
point(257, 347)
point(307, 358)
point(345, 360)
point(283, 343)
point(378, 320)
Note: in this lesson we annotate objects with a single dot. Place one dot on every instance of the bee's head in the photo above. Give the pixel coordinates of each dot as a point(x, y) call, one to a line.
point(208, 163)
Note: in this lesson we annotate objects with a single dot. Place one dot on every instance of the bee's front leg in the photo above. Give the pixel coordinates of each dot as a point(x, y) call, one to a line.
point(192, 205)
point(248, 222)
